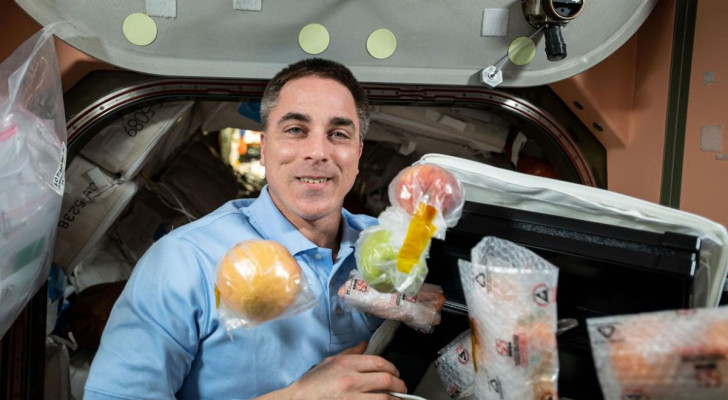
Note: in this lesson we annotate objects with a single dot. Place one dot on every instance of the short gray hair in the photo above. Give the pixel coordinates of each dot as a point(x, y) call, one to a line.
point(324, 69)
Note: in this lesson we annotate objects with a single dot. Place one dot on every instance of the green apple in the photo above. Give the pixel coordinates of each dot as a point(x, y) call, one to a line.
point(375, 252)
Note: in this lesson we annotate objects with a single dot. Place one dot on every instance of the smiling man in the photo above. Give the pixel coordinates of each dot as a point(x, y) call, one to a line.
point(311, 149)
point(164, 338)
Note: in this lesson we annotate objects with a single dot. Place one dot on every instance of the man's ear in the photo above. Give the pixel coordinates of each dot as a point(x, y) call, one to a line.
point(361, 148)
point(262, 148)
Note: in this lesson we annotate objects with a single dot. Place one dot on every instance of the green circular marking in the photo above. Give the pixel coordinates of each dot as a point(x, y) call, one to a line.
point(139, 29)
point(314, 38)
point(381, 43)
point(521, 51)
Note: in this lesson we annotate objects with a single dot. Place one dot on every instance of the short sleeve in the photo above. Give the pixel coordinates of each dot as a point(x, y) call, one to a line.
point(153, 332)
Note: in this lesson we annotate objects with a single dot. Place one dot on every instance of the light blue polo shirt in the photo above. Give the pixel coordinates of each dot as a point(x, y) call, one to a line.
point(164, 339)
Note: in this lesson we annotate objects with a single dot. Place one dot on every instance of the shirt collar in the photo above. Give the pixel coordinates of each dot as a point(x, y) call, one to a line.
point(272, 225)
point(349, 234)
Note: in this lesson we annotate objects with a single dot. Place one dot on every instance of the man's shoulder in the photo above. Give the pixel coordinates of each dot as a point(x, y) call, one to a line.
point(214, 232)
point(230, 215)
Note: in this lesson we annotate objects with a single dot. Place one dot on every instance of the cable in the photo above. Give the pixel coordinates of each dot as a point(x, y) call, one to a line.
point(180, 206)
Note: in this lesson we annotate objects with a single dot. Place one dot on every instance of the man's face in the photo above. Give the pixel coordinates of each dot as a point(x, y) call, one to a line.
point(311, 148)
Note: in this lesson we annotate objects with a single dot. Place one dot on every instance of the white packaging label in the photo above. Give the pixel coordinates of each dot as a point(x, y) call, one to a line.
point(59, 179)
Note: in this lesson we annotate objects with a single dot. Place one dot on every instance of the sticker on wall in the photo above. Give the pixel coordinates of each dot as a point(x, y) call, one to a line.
point(711, 138)
point(139, 29)
point(248, 5)
point(162, 8)
point(314, 38)
point(381, 43)
point(495, 22)
point(521, 51)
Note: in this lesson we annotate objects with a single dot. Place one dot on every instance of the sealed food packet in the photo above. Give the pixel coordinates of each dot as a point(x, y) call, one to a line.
point(511, 298)
point(455, 366)
point(677, 355)
point(420, 312)
point(426, 200)
point(258, 281)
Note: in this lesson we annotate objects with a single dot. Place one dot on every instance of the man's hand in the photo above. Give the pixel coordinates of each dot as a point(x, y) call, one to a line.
point(348, 375)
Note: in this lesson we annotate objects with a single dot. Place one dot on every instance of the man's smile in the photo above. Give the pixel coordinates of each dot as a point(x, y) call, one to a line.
point(313, 180)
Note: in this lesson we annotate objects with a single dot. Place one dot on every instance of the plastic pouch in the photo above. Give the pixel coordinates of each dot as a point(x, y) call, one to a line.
point(376, 253)
point(32, 162)
point(455, 366)
point(258, 281)
point(511, 297)
point(426, 200)
point(677, 355)
point(429, 185)
point(420, 312)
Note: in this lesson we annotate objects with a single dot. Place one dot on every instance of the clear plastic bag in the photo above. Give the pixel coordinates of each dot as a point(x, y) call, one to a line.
point(32, 163)
point(420, 312)
point(376, 252)
point(677, 355)
point(511, 297)
point(259, 281)
point(455, 366)
point(426, 200)
point(430, 185)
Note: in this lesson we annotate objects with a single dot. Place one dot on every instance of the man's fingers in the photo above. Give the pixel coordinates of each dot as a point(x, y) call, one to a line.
point(364, 364)
point(380, 382)
point(379, 364)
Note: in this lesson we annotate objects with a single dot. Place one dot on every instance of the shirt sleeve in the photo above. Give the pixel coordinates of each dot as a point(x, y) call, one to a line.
point(153, 332)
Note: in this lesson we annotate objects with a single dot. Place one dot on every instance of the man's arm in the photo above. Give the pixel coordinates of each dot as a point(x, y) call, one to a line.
point(152, 334)
point(347, 375)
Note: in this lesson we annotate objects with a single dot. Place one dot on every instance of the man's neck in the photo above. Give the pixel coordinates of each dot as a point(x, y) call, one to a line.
point(324, 233)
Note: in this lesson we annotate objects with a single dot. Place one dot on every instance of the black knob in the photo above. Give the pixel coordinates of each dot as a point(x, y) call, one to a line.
point(555, 46)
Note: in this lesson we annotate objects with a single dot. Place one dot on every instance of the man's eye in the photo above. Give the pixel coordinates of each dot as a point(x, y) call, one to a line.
point(340, 134)
point(295, 130)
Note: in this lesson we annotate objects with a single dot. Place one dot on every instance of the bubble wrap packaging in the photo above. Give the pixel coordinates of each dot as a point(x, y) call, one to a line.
point(511, 297)
point(676, 355)
point(455, 366)
point(421, 311)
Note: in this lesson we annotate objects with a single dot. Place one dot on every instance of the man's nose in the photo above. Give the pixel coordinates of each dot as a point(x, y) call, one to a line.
point(317, 146)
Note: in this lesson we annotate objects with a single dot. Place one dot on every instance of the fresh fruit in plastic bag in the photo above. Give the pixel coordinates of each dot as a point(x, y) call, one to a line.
point(376, 258)
point(677, 355)
point(431, 195)
point(431, 185)
point(257, 280)
point(510, 293)
point(372, 256)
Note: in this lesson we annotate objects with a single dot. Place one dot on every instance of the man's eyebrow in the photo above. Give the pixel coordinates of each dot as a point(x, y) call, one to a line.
point(341, 121)
point(294, 116)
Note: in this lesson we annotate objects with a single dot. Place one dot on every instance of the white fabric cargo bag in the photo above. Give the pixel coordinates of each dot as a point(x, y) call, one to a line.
point(490, 185)
point(92, 201)
point(125, 146)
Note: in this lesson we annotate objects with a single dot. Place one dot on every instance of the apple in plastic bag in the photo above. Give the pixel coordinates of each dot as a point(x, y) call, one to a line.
point(375, 252)
point(377, 260)
point(426, 183)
